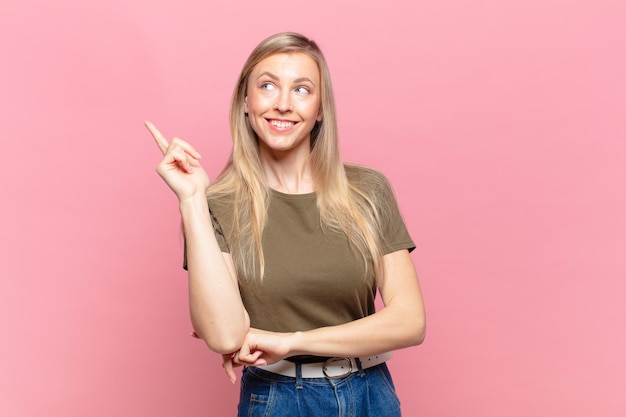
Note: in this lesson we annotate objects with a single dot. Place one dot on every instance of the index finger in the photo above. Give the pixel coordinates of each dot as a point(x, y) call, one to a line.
point(227, 364)
point(160, 140)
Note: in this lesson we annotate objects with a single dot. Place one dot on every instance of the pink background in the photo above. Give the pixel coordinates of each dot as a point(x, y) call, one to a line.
point(500, 123)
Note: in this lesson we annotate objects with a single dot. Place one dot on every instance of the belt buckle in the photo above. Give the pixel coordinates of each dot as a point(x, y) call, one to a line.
point(334, 360)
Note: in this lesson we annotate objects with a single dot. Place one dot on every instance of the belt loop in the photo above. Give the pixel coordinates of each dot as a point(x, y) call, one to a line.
point(359, 365)
point(298, 375)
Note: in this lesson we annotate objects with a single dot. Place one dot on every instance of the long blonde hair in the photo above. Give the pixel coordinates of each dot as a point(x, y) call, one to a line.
point(344, 205)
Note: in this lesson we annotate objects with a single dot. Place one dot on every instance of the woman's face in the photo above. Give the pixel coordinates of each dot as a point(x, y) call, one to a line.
point(283, 101)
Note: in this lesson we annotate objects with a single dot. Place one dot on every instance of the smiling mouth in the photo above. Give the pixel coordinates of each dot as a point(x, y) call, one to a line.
point(281, 124)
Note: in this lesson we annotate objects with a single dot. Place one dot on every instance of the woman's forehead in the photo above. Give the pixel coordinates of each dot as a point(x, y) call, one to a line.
point(292, 65)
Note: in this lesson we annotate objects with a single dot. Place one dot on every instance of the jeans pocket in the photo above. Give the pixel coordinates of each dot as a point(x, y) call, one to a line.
point(256, 396)
point(385, 383)
point(258, 405)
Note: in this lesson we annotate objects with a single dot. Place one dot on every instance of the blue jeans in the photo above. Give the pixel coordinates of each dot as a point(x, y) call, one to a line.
point(367, 393)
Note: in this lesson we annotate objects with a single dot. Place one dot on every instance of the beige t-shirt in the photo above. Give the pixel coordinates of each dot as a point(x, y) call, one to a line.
point(312, 279)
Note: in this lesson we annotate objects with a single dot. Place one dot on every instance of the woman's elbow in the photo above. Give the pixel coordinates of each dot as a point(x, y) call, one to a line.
point(223, 339)
point(421, 334)
point(223, 344)
point(223, 348)
point(417, 332)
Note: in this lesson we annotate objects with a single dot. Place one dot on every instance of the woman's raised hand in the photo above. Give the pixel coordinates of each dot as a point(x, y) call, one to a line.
point(180, 167)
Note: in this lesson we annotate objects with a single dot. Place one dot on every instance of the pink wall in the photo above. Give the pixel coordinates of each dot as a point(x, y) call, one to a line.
point(501, 124)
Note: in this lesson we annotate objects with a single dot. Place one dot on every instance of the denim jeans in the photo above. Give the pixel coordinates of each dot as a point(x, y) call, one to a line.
point(367, 393)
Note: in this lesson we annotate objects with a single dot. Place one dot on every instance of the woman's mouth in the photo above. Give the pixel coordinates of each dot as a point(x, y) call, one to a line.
point(281, 124)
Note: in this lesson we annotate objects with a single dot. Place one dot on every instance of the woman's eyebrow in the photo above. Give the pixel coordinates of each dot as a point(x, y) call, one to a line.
point(303, 79)
point(276, 78)
point(268, 74)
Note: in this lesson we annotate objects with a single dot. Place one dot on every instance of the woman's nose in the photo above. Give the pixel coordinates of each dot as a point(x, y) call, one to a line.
point(283, 102)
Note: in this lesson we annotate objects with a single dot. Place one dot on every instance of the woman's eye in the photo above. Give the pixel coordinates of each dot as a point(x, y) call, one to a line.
point(267, 86)
point(302, 90)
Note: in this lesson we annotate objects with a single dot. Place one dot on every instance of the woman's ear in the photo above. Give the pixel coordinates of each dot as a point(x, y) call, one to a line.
point(319, 116)
point(245, 104)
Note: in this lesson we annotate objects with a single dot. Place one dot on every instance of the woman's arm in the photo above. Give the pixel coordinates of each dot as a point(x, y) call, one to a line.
point(217, 312)
point(402, 323)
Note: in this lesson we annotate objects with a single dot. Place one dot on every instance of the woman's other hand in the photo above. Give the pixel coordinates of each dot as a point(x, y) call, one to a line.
point(230, 361)
point(262, 348)
point(259, 348)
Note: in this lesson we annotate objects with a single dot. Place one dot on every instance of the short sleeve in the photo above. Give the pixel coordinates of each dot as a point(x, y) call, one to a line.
point(395, 235)
point(219, 236)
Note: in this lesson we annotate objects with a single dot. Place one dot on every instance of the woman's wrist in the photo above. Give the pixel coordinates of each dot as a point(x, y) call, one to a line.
point(194, 202)
point(297, 343)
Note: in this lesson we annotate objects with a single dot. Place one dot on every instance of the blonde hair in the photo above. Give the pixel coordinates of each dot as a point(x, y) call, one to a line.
point(344, 205)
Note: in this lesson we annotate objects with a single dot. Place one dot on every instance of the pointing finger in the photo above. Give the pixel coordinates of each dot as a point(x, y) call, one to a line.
point(160, 140)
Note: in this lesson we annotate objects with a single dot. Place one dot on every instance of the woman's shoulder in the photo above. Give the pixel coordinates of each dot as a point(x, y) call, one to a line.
point(366, 178)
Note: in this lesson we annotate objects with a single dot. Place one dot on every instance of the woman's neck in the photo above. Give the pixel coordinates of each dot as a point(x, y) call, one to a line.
point(289, 172)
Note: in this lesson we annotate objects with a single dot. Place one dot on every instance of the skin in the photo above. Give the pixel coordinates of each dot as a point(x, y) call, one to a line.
point(282, 104)
point(216, 310)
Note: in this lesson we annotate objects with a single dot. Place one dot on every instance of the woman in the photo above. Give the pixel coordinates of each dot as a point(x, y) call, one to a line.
point(285, 259)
